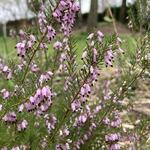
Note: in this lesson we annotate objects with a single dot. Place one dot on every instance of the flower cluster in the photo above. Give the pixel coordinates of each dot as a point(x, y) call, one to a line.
point(5, 94)
point(112, 138)
point(62, 146)
point(34, 68)
point(41, 101)
point(58, 45)
point(25, 45)
point(106, 90)
point(113, 121)
point(64, 132)
point(21, 147)
point(45, 28)
point(5, 70)
point(87, 135)
point(65, 14)
point(51, 33)
point(42, 18)
point(43, 46)
point(50, 122)
point(22, 125)
point(93, 69)
point(45, 77)
point(82, 112)
point(10, 117)
point(109, 57)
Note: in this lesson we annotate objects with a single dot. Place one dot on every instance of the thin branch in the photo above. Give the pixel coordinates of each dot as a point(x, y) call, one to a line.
point(113, 19)
point(34, 52)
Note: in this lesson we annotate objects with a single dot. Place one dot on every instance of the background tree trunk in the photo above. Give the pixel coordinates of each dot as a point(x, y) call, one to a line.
point(80, 21)
point(123, 11)
point(92, 18)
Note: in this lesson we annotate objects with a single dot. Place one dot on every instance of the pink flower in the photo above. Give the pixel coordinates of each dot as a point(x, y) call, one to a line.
point(65, 132)
point(50, 123)
point(45, 77)
point(109, 57)
point(21, 49)
point(100, 36)
point(22, 125)
point(43, 46)
point(10, 117)
point(46, 92)
point(5, 94)
point(20, 108)
point(115, 147)
point(95, 53)
point(62, 146)
point(7, 72)
point(80, 120)
point(29, 45)
point(15, 148)
point(34, 68)
point(76, 7)
point(85, 91)
point(117, 122)
point(106, 121)
point(32, 38)
point(57, 14)
point(22, 35)
point(57, 45)
point(93, 126)
point(42, 18)
point(29, 106)
point(97, 109)
point(41, 101)
point(51, 33)
point(65, 14)
point(63, 57)
point(21, 65)
point(76, 105)
point(94, 74)
point(87, 88)
point(112, 137)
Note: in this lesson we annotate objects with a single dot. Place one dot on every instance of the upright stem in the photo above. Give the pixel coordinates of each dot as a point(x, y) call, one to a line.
point(5, 44)
point(34, 52)
point(113, 19)
point(68, 110)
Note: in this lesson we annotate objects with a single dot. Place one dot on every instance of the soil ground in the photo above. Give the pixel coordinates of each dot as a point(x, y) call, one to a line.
point(107, 28)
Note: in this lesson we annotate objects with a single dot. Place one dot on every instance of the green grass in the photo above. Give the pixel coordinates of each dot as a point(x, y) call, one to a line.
point(7, 47)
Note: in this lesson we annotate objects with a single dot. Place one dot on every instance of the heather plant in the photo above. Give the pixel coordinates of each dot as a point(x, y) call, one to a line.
point(139, 15)
point(50, 100)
